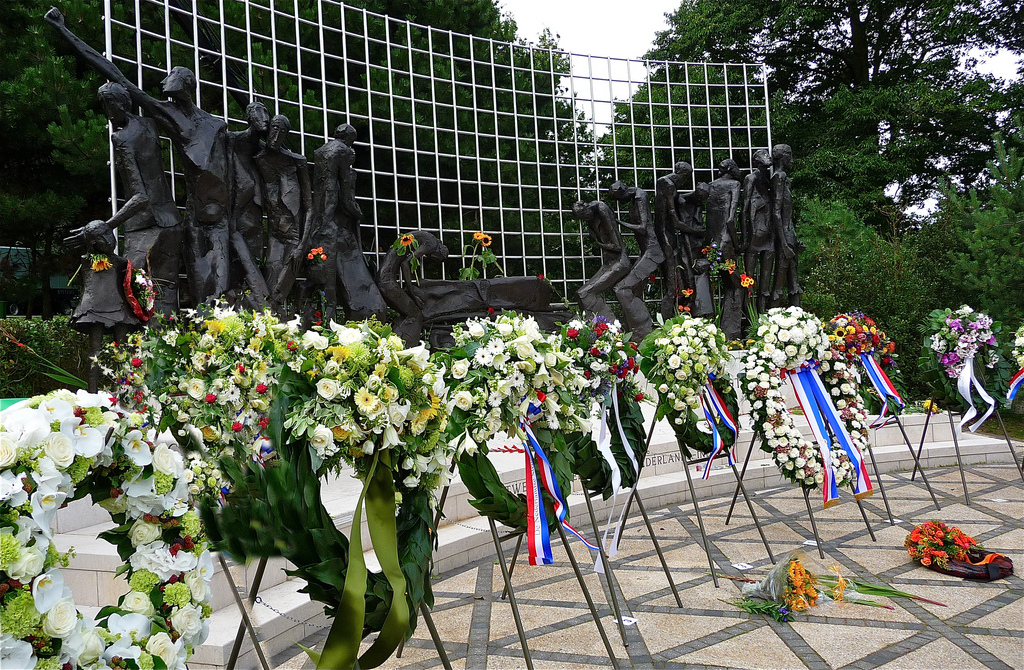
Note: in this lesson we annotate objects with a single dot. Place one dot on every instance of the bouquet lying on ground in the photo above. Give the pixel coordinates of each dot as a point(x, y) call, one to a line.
point(797, 583)
point(949, 550)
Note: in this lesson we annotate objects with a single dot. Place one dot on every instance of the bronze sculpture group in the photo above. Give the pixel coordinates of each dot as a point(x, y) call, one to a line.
point(233, 182)
point(258, 232)
point(695, 240)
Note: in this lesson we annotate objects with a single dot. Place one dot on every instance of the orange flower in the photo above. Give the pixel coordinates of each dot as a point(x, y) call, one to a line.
point(323, 257)
point(101, 264)
point(309, 256)
point(687, 292)
point(746, 281)
point(406, 240)
point(485, 240)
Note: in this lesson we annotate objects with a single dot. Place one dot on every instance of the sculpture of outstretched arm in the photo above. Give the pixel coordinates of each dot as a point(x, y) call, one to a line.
point(96, 61)
point(636, 228)
point(134, 205)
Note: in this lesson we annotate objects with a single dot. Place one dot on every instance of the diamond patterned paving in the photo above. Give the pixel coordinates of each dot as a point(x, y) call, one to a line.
point(982, 627)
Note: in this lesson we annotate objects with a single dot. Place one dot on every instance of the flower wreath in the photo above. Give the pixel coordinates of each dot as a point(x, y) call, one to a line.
point(237, 382)
point(58, 448)
point(498, 370)
point(954, 341)
point(352, 395)
point(609, 364)
point(1017, 355)
point(685, 359)
point(210, 375)
point(140, 291)
point(789, 340)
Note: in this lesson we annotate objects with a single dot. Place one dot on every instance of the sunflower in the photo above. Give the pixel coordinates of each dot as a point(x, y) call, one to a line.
point(101, 263)
point(485, 240)
point(406, 240)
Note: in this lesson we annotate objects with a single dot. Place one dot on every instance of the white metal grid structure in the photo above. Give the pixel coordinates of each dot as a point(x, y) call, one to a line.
point(457, 134)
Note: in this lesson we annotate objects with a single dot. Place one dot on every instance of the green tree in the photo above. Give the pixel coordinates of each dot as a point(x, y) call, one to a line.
point(992, 265)
point(871, 94)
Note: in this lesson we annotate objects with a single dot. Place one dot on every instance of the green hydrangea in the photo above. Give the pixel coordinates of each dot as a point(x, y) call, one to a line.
point(94, 416)
point(19, 616)
point(53, 557)
point(79, 469)
point(406, 377)
point(143, 580)
point(55, 427)
point(177, 594)
point(51, 663)
point(10, 549)
point(145, 661)
point(207, 610)
point(190, 524)
point(164, 483)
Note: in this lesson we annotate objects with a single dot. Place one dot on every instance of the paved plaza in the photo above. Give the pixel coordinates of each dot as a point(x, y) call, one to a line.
point(981, 627)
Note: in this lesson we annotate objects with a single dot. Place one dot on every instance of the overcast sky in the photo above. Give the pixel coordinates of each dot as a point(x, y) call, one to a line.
point(625, 28)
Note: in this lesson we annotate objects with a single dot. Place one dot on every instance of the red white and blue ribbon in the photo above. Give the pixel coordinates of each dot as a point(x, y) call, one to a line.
point(883, 387)
point(539, 472)
point(715, 408)
point(964, 384)
point(1015, 384)
point(822, 415)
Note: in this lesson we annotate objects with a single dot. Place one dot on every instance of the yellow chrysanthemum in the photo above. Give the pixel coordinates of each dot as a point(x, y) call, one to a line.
point(214, 327)
point(339, 353)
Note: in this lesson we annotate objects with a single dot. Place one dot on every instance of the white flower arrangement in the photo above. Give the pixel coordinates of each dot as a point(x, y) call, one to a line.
point(218, 372)
point(1018, 347)
point(788, 338)
point(364, 391)
point(679, 357)
point(53, 446)
point(499, 368)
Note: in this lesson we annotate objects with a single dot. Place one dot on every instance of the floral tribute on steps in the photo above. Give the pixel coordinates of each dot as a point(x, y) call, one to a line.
point(507, 376)
point(789, 344)
point(267, 409)
point(61, 447)
point(685, 360)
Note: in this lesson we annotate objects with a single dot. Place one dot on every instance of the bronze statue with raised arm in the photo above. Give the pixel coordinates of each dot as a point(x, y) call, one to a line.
point(201, 141)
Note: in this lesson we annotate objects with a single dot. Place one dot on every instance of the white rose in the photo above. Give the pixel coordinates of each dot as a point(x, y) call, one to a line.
point(139, 603)
point(801, 462)
point(463, 400)
point(196, 388)
point(8, 450)
point(60, 450)
point(92, 647)
point(199, 587)
point(167, 461)
point(62, 618)
point(328, 388)
point(674, 361)
point(28, 564)
point(476, 329)
point(187, 621)
point(143, 533)
point(162, 646)
point(314, 340)
point(346, 335)
point(460, 368)
point(323, 439)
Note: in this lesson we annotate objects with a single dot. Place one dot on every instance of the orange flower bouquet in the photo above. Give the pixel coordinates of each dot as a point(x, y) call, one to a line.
point(935, 542)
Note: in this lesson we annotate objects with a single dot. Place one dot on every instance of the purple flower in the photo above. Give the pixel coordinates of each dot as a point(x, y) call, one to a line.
point(991, 340)
point(955, 325)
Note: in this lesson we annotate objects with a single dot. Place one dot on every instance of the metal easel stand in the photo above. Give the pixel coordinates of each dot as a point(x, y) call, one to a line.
point(956, 447)
point(814, 526)
point(635, 495)
point(246, 611)
point(506, 576)
point(608, 574)
point(917, 461)
point(740, 489)
point(700, 517)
